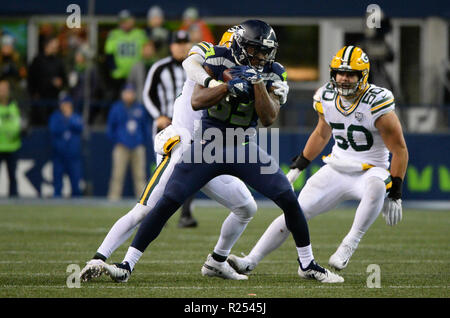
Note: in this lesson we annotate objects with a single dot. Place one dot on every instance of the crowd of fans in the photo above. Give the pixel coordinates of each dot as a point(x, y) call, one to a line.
point(66, 87)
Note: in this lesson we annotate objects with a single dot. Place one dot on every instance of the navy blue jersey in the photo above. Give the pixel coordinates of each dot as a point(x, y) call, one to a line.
point(228, 112)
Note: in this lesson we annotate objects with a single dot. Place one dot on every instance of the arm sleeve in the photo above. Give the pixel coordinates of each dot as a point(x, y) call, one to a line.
point(193, 65)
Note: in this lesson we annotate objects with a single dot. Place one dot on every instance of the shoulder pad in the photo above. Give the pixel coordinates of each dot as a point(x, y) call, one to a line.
point(317, 99)
point(279, 69)
point(383, 99)
point(201, 48)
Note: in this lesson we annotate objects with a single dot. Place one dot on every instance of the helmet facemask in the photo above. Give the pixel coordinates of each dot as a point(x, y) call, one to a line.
point(245, 51)
point(347, 89)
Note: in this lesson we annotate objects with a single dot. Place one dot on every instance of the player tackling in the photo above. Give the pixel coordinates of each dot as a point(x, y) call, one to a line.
point(251, 56)
point(361, 118)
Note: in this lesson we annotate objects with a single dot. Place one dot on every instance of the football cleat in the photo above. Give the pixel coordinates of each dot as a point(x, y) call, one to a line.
point(93, 269)
point(119, 272)
point(340, 258)
point(241, 264)
point(317, 272)
point(220, 269)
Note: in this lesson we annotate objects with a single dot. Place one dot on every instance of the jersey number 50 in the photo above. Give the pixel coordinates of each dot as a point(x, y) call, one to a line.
point(350, 141)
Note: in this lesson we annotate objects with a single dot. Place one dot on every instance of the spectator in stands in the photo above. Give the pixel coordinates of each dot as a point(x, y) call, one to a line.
point(77, 79)
point(140, 69)
point(197, 28)
point(46, 79)
point(10, 134)
point(66, 128)
point(128, 129)
point(13, 69)
point(123, 49)
point(156, 31)
point(11, 66)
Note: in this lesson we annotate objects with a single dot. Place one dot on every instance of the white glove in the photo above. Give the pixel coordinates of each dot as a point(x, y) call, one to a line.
point(282, 90)
point(392, 211)
point(293, 174)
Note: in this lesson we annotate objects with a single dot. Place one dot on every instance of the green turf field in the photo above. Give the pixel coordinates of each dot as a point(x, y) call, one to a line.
point(38, 243)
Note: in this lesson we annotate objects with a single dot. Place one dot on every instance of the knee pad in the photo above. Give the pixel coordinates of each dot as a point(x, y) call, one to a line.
point(246, 212)
point(308, 201)
point(375, 189)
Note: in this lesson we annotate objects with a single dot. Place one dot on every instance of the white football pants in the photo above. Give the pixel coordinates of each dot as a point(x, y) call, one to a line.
point(227, 190)
point(324, 191)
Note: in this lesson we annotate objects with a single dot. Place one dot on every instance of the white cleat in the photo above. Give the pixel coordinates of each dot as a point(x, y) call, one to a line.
point(93, 269)
point(340, 258)
point(241, 264)
point(220, 269)
point(317, 272)
point(119, 273)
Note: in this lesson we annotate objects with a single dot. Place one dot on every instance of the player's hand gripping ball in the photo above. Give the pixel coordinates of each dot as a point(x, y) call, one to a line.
point(240, 89)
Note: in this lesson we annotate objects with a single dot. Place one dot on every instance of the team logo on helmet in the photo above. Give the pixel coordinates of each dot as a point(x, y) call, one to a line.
point(350, 59)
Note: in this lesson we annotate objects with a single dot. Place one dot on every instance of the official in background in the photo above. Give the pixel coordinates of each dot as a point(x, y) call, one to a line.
point(163, 85)
point(165, 81)
point(65, 128)
point(128, 129)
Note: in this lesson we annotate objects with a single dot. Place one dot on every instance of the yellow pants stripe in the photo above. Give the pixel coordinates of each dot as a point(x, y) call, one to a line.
point(154, 178)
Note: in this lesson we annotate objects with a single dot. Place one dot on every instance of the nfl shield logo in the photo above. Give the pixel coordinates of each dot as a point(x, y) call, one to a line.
point(359, 116)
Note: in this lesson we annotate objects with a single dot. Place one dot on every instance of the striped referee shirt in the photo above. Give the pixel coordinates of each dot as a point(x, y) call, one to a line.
point(163, 84)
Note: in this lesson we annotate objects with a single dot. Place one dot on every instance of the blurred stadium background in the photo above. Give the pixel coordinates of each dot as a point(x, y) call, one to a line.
point(409, 54)
point(41, 236)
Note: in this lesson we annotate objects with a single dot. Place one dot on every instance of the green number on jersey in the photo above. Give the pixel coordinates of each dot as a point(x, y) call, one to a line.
point(329, 93)
point(241, 116)
point(344, 143)
point(371, 94)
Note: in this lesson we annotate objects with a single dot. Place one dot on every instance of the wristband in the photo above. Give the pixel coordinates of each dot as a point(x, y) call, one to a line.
point(396, 190)
point(299, 162)
point(207, 80)
point(214, 83)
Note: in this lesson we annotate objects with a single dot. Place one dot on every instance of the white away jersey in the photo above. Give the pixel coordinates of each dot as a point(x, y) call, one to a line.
point(183, 114)
point(354, 131)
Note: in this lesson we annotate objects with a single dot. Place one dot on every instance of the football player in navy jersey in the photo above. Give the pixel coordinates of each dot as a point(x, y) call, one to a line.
point(233, 109)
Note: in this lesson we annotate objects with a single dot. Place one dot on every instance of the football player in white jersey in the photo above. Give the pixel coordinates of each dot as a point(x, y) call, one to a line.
point(361, 118)
point(170, 142)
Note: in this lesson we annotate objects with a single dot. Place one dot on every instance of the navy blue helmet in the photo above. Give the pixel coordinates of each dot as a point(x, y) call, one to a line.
point(254, 44)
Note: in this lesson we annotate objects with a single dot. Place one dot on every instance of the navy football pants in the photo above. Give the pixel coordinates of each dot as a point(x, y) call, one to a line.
point(188, 178)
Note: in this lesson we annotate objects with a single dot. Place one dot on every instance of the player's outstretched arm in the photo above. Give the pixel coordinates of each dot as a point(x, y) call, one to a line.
point(318, 139)
point(193, 65)
point(314, 146)
point(391, 131)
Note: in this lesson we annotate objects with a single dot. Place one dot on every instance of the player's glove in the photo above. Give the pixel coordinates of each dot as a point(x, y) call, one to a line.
point(282, 90)
point(240, 89)
point(299, 163)
point(392, 211)
point(392, 207)
point(246, 72)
